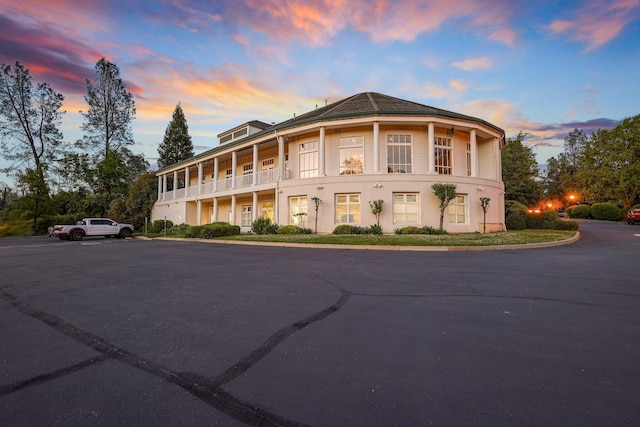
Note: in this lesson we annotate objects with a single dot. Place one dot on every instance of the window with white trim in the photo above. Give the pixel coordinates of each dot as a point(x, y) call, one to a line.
point(442, 156)
point(348, 208)
point(405, 208)
point(458, 209)
point(298, 210)
point(308, 159)
point(351, 151)
point(267, 210)
point(247, 216)
point(399, 159)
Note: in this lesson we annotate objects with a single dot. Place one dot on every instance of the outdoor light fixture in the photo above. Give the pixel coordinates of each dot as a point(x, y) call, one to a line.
point(480, 188)
point(319, 187)
point(377, 186)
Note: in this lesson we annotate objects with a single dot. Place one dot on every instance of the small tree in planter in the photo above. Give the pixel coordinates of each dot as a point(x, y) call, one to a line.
point(376, 209)
point(301, 216)
point(317, 201)
point(445, 193)
point(484, 202)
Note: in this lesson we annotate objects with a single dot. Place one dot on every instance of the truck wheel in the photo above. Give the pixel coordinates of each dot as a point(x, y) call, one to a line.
point(76, 236)
point(125, 232)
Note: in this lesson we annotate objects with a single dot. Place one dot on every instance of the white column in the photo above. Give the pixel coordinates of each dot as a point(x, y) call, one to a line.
point(200, 175)
point(233, 209)
point(255, 164)
point(215, 174)
point(474, 153)
point(215, 209)
point(175, 183)
point(186, 181)
point(431, 148)
point(164, 187)
point(255, 206)
point(376, 147)
point(321, 151)
point(160, 192)
point(198, 212)
point(234, 165)
point(498, 160)
point(281, 157)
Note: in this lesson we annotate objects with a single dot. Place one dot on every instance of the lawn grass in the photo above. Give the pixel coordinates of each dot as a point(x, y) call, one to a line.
point(464, 239)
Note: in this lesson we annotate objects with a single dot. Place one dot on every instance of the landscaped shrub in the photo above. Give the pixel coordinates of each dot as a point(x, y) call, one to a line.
point(194, 231)
point(419, 230)
point(515, 215)
point(580, 211)
point(293, 229)
point(158, 226)
point(549, 220)
point(376, 229)
point(176, 230)
point(264, 226)
point(606, 211)
point(211, 231)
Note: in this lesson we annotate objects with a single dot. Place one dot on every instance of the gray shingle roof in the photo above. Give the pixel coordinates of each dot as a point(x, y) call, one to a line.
point(359, 105)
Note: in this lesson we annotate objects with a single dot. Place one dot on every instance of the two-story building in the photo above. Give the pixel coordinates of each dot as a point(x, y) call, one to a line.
point(347, 154)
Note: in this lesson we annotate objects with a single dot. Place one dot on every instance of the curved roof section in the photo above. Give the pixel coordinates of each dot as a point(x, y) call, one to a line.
point(359, 105)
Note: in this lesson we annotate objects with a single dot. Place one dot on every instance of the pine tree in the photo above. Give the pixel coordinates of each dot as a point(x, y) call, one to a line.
point(176, 145)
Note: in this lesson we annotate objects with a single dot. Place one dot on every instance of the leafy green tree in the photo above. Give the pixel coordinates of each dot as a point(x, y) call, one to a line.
point(519, 172)
point(29, 120)
point(107, 123)
point(445, 193)
point(143, 194)
point(609, 164)
point(376, 209)
point(36, 202)
point(176, 145)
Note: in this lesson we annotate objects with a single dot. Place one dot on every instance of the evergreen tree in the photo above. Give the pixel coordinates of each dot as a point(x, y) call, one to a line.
point(107, 123)
point(176, 145)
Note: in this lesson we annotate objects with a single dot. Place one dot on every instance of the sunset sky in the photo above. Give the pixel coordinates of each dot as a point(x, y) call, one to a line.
point(541, 67)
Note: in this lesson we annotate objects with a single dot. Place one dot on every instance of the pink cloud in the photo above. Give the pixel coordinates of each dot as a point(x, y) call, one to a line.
point(598, 21)
point(316, 22)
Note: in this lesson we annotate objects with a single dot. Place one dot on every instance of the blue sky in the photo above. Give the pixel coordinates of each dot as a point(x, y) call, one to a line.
point(541, 67)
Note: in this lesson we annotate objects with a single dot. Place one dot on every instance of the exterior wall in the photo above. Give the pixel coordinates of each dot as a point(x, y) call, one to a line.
point(201, 204)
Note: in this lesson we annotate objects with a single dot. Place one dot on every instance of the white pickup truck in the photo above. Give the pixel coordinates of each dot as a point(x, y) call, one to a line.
point(93, 227)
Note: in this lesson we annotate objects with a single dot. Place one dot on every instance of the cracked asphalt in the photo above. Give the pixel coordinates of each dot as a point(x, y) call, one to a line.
point(109, 332)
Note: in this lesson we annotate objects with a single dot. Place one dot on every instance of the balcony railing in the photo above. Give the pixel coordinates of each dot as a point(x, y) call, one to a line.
point(243, 181)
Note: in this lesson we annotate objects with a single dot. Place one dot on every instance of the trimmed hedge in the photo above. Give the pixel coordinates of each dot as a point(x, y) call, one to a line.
point(354, 229)
point(549, 220)
point(210, 231)
point(515, 215)
point(293, 229)
point(606, 211)
point(419, 230)
point(579, 211)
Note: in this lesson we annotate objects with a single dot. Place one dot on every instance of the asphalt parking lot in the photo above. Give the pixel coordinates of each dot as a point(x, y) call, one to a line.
point(109, 332)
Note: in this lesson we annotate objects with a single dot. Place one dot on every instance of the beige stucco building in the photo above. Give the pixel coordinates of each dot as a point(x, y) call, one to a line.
point(363, 148)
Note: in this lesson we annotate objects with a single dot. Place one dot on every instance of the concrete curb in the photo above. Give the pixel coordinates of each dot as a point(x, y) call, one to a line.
point(569, 241)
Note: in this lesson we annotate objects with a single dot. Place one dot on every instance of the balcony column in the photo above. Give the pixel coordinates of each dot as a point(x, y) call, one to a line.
point(234, 165)
point(160, 192)
point(186, 181)
point(376, 147)
point(216, 170)
point(321, 151)
point(215, 209)
point(255, 164)
point(200, 176)
point(175, 183)
point(431, 148)
point(255, 206)
point(281, 158)
point(474, 153)
point(198, 212)
point(164, 187)
point(233, 210)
